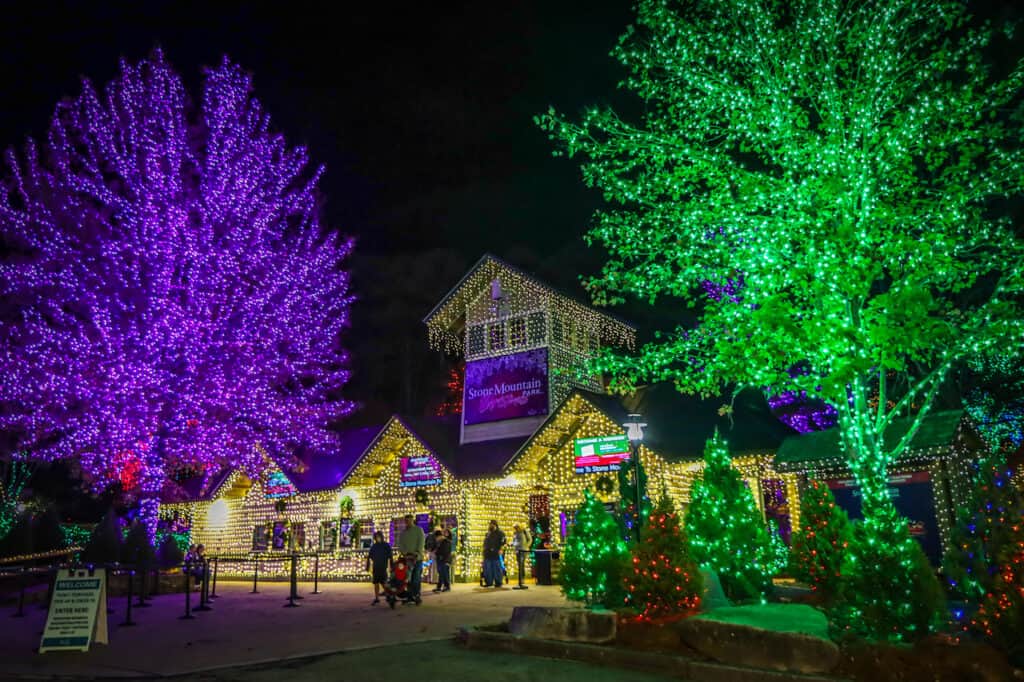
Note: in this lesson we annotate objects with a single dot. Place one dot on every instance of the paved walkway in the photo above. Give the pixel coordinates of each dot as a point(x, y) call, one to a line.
point(426, 662)
point(245, 628)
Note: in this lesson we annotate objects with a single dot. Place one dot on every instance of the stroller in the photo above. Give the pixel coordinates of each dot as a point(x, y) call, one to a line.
point(398, 587)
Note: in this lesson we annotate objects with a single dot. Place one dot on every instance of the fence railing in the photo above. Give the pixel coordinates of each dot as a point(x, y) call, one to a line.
point(203, 570)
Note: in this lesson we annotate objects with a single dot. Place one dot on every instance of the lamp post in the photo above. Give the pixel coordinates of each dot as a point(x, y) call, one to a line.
point(635, 433)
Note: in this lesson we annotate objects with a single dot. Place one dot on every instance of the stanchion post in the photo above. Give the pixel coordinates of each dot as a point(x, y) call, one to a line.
point(142, 603)
point(292, 593)
point(316, 574)
point(204, 587)
point(188, 593)
point(20, 613)
point(255, 574)
point(128, 609)
point(213, 590)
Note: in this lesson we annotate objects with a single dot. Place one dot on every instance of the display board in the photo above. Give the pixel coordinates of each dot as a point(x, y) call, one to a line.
point(419, 471)
point(913, 498)
point(78, 611)
point(506, 387)
point(600, 455)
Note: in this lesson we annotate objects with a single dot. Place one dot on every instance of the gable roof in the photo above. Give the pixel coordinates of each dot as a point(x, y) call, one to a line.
point(678, 425)
point(446, 318)
point(822, 448)
point(483, 459)
point(327, 471)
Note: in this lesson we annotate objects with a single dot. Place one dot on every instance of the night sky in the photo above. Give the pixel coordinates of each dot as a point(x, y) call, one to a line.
point(421, 113)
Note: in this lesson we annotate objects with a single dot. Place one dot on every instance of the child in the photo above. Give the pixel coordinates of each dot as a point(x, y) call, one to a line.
point(379, 558)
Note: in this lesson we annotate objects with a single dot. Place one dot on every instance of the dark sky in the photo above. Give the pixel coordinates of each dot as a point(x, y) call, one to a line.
point(422, 113)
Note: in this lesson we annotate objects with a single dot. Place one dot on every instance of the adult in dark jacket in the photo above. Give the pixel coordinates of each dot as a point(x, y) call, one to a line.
point(493, 544)
point(443, 557)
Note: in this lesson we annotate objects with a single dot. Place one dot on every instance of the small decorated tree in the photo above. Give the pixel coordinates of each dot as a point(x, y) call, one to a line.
point(725, 528)
point(821, 541)
point(985, 528)
point(595, 557)
point(1001, 615)
point(665, 580)
point(889, 590)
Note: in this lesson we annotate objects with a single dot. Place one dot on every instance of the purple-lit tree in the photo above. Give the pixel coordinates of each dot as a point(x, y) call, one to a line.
point(169, 298)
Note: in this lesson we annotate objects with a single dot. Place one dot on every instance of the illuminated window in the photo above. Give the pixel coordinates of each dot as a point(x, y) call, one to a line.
point(497, 335)
point(517, 332)
point(476, 340)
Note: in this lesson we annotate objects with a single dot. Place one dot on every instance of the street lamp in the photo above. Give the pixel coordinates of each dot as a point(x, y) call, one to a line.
point(635, 433)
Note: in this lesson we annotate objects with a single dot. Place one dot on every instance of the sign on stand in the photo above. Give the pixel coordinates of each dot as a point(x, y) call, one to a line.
point(78, 611)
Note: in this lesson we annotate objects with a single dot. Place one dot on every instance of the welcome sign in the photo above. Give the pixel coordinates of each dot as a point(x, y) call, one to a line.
point(419, 471)
point(506, 387)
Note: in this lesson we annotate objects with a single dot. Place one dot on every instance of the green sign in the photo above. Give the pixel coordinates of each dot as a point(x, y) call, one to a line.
point(600, 455)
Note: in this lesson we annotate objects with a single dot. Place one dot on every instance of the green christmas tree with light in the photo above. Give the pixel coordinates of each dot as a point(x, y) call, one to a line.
point(664, 579)
point(888, 590)
point(595, 557)
point(725, 528)
point(821, 542)
point(825, 186)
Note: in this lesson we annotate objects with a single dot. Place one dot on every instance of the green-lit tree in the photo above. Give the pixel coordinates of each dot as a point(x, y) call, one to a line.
point(725, 528)
point(595, 557)
point(824, 182)
point(821, 542)
point(664, 580)
point(888, 590)
point(14, 474)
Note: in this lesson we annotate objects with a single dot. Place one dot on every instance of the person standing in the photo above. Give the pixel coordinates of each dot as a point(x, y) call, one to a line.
point(493, 544)
point(521, 542)
point(443, 557)
point(410, 543)
point(379, 560)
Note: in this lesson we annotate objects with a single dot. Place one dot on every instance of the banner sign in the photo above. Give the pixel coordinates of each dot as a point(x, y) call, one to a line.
point(419, 471)
point(78, 611)
point(600, 455)
point(912, 496)
point(506, 387)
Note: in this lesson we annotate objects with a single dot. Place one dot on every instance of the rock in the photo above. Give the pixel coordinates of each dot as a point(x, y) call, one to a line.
point(758, 648)
point(714, 596)
point(563, 624)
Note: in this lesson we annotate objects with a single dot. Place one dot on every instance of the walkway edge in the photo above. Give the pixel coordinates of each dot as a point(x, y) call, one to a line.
point(677, 667)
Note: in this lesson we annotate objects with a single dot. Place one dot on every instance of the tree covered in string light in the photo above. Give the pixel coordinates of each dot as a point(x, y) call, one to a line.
point(821, 542)
point(725, 528)
point(1001, 615)
point(989, 526)
point(664, 579)
point(888, 591)
point(595, 557)
point(847, 164)
point(170, 298)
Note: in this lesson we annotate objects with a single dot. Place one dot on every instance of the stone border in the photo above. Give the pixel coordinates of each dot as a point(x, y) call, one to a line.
point(663, 664)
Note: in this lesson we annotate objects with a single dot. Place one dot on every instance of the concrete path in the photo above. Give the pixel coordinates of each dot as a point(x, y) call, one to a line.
point(441, 661)
point(245, 628)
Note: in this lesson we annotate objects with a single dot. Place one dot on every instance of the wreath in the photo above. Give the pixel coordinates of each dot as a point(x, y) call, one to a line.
point(346, 505)
point(421, 496)
point(280, 506)
point(604, 485)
